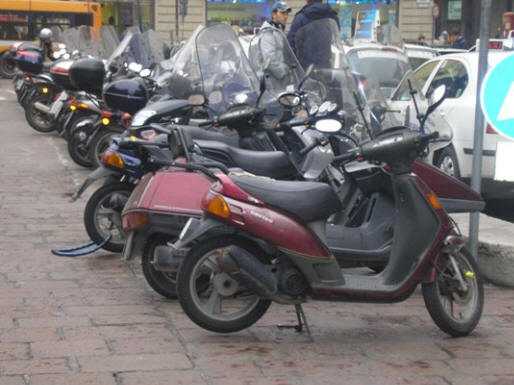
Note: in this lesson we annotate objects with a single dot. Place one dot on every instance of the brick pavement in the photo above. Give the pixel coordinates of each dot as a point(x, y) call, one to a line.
point(93, 320)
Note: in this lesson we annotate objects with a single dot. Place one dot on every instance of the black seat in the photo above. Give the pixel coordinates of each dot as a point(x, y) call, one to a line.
point(308, 201)
point(194, 133)
point(273, 164)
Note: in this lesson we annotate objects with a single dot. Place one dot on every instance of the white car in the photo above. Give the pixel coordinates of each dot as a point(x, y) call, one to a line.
point(419, 54)
point(387, 64)
point(458, 72)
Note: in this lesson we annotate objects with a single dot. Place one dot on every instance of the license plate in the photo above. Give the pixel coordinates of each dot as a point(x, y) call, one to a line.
point(127, 248)
point(56, 108)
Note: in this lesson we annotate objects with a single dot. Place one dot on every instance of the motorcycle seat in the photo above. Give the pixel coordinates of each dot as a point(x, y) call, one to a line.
point(273, 164)
point(309, 201)
point(197, 133)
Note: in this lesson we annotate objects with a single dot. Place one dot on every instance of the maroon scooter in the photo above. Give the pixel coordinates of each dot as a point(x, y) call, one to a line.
point(262, 240)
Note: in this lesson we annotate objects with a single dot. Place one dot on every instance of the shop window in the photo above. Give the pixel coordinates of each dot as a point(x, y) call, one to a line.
point(454, 76)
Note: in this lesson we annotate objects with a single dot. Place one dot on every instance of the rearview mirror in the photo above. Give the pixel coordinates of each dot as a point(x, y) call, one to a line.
point(438, 94)
point(135, 67)
point(289, 100)
point(328, 125)
point(196, 100)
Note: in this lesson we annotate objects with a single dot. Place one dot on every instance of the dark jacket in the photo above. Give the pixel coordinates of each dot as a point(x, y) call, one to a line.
point(310, 12)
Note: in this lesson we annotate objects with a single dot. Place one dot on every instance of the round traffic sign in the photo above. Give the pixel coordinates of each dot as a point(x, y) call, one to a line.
point(497, 97)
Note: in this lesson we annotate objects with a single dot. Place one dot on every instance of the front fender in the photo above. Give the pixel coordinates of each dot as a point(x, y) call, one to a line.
point(453, 243)
point(194, 229)
point(99, 173)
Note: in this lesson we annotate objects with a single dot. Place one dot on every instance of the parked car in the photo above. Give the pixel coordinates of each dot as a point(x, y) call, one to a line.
point(458, 72)
point(386, 63)
point(419, 54)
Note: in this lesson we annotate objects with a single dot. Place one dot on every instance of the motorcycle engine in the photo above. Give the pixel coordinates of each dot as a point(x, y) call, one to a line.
point(292, 282)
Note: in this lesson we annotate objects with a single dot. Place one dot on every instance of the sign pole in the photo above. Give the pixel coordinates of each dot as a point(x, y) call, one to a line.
point(478, 141)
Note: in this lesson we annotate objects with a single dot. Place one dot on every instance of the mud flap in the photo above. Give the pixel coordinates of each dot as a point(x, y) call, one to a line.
point(100, 172)
point(194, 229)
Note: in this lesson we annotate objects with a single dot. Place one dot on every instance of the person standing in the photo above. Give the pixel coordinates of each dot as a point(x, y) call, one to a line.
point(313, 10)
point(272, 41)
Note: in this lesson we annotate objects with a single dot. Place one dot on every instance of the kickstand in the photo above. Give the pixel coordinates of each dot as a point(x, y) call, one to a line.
point(302, 321)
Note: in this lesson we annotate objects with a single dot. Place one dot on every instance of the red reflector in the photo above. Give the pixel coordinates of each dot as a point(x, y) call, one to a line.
point(106, 114)
point(490, 130)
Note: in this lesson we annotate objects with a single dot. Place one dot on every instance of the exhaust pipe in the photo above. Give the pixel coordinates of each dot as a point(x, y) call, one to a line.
point(247, 270)
point(165, 260)
point(41, 107)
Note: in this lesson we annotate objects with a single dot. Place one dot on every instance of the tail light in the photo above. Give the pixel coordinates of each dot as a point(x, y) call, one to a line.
point(126, 119)
point(490, 130)
point(112, 158)
point(135, 221)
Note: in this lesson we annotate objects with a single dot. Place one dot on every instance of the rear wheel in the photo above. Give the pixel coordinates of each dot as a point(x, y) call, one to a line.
point(224, 306)
point(78, 147)
point(456, 298)
point(7, 70)
point(99, 144)
point(163, 283)
point(102, 216)
point(38, 120)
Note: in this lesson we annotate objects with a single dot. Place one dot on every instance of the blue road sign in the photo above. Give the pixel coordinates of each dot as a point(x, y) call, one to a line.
point(497, 97)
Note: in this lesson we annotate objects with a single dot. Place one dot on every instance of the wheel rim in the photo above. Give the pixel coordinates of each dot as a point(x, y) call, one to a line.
point(80, 143)
point(224, 299)
point(448, 165)
point(41, 119)
point(459, 305)
point(107, 217)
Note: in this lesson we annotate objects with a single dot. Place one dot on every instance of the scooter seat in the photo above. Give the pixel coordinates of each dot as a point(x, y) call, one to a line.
point(309, 201)
point(195, 133)
point(273, 164)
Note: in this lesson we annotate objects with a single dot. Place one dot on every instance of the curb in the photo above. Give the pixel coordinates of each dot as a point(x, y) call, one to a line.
point(496, 262)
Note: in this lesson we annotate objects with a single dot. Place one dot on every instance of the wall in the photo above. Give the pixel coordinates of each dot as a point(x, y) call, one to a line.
point(414, 21)
point(166, 18)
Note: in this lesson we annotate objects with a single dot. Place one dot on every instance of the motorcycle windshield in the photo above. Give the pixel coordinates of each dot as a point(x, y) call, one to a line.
point(435, 121)
point(284, 72)
point(109, 39)
point(156, 49)
point(90, 42)
point(120, 49)
point(213, 63)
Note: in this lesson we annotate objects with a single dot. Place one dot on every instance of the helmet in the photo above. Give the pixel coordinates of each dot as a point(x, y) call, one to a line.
point(45, 33)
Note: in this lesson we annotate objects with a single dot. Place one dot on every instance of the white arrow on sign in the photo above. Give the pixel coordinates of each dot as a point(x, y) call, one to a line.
point(507, 111)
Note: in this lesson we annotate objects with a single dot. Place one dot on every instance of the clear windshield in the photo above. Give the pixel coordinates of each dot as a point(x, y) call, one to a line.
point(284, 71)
point(435, 122)
point(212, 62)
point(89, 41)
point(120, 49)
point(157, 50)
point(109, 40)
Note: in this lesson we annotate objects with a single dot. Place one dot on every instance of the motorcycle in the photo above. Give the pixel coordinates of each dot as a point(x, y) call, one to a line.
point(264, 241)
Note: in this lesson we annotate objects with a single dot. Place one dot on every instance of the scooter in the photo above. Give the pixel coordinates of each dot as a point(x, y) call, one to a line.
point(264, 241)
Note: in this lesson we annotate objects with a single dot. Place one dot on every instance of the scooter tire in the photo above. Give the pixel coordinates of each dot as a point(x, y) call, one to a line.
point(31, 112)
point(90, 219)
point(432, 295)
point(75, 143)
point(7, 70)
point(162, 283)
point(187, 297)
point(99, 144)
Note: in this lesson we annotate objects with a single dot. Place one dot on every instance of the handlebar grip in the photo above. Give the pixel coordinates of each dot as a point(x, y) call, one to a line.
point(433, 135)
point(206, 123)
point(345, 157)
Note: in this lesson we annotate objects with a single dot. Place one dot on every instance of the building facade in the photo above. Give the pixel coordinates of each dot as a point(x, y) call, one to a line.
point(413, 17)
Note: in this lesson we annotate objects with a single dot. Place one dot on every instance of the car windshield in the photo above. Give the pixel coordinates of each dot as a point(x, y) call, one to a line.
point(212, 63)
point(387, 66)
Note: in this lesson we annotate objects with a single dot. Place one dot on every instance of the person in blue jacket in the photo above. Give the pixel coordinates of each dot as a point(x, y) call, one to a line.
point(313, 10)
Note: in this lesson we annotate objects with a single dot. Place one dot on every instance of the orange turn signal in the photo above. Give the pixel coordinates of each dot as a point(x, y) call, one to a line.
point(217, 206)
point(135, 221)
point(114, 159)
point(434, 202)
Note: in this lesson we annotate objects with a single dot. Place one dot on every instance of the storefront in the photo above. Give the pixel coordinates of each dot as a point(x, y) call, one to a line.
point(350, 11)
point(246, 15)
point(124, 13)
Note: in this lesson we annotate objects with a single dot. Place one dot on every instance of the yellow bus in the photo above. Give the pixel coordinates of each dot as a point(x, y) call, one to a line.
point(21, 20)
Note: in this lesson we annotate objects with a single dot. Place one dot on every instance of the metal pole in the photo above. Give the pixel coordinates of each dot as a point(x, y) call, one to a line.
point(478, 142)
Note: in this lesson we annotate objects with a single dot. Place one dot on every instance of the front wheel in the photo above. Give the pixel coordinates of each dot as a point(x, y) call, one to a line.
point(456, 298)
point(224, 306)
point(39, 120)
point(447, 162)
point(7, 70)
point(102, 216)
